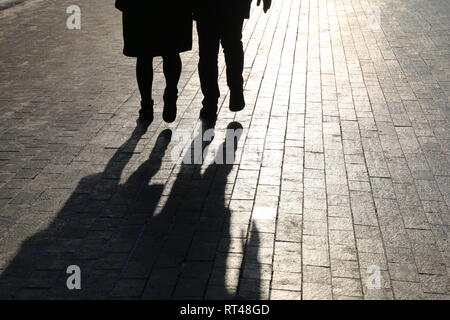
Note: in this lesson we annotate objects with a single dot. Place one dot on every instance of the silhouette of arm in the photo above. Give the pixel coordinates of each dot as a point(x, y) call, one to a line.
point(118, 161)
point(152, 165)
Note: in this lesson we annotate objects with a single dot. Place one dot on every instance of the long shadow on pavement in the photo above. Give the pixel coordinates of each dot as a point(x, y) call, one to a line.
point(134, 240)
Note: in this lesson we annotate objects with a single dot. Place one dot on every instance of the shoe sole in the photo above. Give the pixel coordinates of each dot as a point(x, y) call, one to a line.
point(169, 120)
point(236, 108)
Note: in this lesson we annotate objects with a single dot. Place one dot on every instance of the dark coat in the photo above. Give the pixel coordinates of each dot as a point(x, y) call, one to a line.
point(224, 8)
point(156, 29)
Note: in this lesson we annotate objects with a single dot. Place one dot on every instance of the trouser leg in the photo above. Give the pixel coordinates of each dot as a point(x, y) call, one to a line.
point(144, 75)
point(231, 35)
point(209, 42)
point(172, 66)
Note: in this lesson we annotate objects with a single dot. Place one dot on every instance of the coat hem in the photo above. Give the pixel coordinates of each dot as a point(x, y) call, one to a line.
point(152, 54)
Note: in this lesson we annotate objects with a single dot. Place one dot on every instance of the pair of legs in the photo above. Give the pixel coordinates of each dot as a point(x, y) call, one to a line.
point(212, 32)
point(144, 73)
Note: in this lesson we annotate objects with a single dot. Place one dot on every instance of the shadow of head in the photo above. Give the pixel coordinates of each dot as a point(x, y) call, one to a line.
point(227, 153)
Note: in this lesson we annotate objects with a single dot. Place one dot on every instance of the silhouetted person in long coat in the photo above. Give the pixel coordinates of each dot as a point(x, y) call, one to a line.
point(221, 21)
point(154, 28)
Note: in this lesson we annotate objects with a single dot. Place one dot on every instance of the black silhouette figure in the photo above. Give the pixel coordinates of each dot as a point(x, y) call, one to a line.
point(121, 233)
point(221, 21)
point(157, 28)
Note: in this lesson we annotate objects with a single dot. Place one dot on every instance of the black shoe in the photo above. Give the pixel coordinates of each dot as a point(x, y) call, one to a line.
point(237, 100)
point(209, 115)
point(146, 112)
point(170, 107)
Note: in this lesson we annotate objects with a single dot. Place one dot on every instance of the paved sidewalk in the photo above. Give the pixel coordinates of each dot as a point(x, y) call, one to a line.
point(340, 187)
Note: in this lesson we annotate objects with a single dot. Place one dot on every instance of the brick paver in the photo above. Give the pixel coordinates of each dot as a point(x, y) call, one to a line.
point(342, 170)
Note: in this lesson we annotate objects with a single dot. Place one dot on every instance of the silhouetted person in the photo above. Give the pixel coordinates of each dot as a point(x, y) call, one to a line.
point(157, 28)
point(221, 21)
